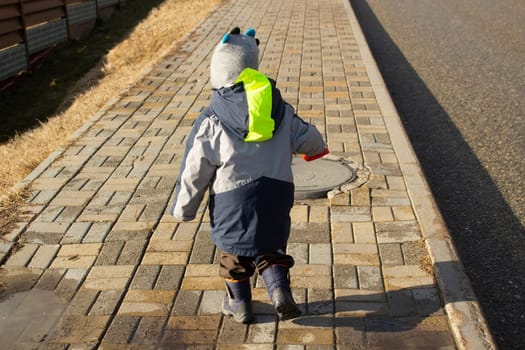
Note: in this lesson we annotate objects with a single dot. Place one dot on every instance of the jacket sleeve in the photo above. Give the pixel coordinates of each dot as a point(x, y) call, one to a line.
point(196, 173)
point(307, 140)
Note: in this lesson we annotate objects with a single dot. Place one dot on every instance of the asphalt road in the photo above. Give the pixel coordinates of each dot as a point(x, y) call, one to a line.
point(456, 72)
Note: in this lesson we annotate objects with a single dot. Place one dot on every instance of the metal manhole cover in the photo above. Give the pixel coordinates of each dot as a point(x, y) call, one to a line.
point(314, 179)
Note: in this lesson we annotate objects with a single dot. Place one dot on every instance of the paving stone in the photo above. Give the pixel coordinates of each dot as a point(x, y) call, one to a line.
point(391, 254)
point(397, 232)
point(350, 214)
point(360, 295)
point(164, 231)
point(356, 259)
point(76, 233)
point(164, 245)
point(311, 276)
point(369, 277)
point(299, 214)
point(50, 213)
point(200, 322)
point(319, 347)
point(396, 183)
point(320, 301)
point(73, 262)
point(310, 233)
point(23, 255)
point(390, 202)
point(350, 333)
point(428, 302)
point(364, 232)
point(79, 329)
point(108, 277)
point(290, 347)
point(407, 333)
point(72, 198)
point(320, 253)
point(404, 213)
point(85, 249)
point(382, 214)
point(123, 231)
point(141, 302)
point(305, 336)
point(43, 256)
point(299, 252)
point(377, 181)
point(187, 302)
point(109, 253)
point(345, 276)
point(172, 338)
point(211, 302)
point(50, 279)
point(14, 233)
point(131, 252)
point(81, 303)
point(132, 212)
point(152, 212)
point(165, 258)
point(401, 303)
point(121, 329)
point(360, 197)
point(148, 331)
point(203, 249)
point(145, 277)
point(106, 302)
point(97, 232)
point(342, 232)
point(318, 214)
point(70, 283)
point(406, 276)
point(262, 331)
point(170, 277)
point(44, 237)
point(413, 252)
point(342, 199)
point(43, 197)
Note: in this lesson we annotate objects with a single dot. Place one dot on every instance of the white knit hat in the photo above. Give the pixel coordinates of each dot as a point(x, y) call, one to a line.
point(232, 55)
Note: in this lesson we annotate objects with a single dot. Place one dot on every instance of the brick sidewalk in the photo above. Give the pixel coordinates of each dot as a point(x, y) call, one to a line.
point(110, 269)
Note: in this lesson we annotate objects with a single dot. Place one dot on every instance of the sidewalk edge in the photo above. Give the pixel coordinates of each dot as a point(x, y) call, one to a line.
point(468, 325)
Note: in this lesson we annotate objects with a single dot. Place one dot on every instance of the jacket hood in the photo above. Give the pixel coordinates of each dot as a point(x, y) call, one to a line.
point(252, 108)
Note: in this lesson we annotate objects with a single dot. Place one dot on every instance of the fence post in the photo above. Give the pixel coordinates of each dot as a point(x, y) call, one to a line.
point(66, 11)
point(24, 31)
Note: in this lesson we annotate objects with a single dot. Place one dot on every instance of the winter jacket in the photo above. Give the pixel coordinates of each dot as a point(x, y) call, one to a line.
point(241, 148)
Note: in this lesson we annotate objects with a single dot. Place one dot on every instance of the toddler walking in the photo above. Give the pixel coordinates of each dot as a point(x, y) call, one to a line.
point(240, 148)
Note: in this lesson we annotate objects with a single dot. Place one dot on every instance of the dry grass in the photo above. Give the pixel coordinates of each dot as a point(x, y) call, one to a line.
point(161, 31)
point(10, 211)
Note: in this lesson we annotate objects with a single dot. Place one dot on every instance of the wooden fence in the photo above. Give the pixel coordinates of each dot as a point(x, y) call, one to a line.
point(29, 28)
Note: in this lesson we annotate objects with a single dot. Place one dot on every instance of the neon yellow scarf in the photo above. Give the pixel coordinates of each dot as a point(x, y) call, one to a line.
point(259, 95)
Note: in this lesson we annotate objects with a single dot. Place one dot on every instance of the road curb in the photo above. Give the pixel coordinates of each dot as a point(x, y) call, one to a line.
point(467, 323)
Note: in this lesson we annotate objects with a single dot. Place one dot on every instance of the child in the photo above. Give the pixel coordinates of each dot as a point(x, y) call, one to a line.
point(241, 147)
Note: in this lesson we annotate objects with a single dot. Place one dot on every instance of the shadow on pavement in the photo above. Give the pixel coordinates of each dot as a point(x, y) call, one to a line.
point(487, 234)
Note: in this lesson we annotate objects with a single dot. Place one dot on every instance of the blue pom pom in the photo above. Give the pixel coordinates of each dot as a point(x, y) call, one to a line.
point(225, 38)
point(250, 32)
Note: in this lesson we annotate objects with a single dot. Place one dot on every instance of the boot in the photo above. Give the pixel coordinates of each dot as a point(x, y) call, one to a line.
point(277, 281)
point(238, 300)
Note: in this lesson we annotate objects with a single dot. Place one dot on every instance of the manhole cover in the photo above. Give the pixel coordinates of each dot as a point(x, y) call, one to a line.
point(314, 179)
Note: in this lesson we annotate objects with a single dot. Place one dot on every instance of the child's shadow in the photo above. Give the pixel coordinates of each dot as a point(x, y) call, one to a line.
point(410, 318)
point(410, 304)
point(350, 305)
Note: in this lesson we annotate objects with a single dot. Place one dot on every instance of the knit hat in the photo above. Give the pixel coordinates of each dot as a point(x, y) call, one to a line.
point(232, 55)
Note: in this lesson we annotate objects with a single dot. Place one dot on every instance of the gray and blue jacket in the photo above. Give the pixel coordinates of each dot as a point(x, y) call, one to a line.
point(240, 148)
